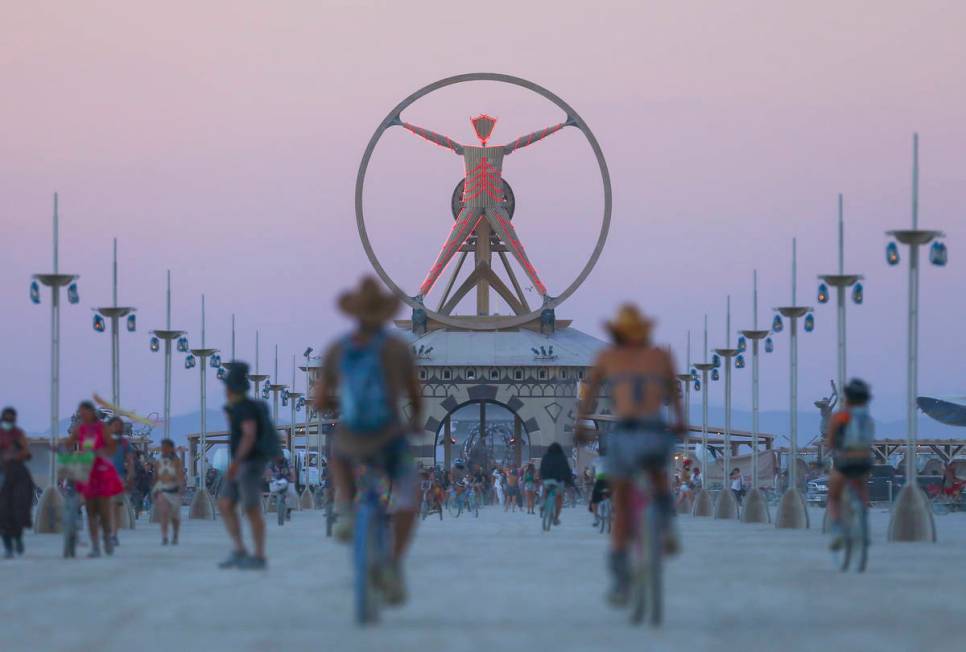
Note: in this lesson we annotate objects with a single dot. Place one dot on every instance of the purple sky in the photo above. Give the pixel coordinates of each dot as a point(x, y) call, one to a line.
point(221, 140)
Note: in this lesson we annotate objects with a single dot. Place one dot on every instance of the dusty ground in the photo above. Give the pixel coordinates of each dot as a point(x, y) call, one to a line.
point(491, 583)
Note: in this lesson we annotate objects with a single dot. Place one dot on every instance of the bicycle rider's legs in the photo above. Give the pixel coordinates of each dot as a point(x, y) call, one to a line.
point(836, 485)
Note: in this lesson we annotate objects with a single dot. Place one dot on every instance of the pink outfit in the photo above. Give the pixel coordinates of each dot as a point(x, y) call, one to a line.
point(103, 481)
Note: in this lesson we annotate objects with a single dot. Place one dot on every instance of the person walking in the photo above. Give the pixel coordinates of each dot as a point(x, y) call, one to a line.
point(103, 483)
point(530, 486)
point(253, 443)
point(167, 491)
point(16, 484)
point(123, 460)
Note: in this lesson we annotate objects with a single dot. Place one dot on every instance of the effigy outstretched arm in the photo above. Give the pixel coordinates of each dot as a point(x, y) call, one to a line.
point(530, 139)
point(432, 136)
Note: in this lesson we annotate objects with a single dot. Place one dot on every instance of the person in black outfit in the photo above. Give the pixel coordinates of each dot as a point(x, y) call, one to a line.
point(555, 471)
point(253, 442)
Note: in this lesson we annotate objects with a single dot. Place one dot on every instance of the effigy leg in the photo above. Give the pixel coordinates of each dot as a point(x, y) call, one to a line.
point(462, 228)
point(499, 220)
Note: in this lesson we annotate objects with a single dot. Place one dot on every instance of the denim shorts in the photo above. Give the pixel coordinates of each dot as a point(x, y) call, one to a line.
point(636, 445)
point(246, 488)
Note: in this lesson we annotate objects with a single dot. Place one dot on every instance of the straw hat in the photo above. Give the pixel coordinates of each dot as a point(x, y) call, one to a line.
point(369, 303)
point(630, 325)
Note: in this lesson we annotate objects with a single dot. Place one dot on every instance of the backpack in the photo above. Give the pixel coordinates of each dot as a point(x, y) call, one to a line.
point(267, 443)
point(859, 432)
point(364, 404)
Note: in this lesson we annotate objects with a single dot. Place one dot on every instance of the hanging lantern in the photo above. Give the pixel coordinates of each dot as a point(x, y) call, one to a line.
point(769, 345)
point(182, 344)
point(697, 385)
point(742, 344)
point(740, 362)
point(35, 292)
point(155, 344)
point(299, 404)
point(716, 361)
point(938, 254)
point(189, 361)
point(132, 323)
point(776, 324)
point(285, 395)
point(714, 374)
point(73, 296)
point(892, 253)
point(694, 373)
point(99, 324)
point(809, 323)
point(214, 361)
point(284, 400)
point(858, 293)
point(265, 392)
point(221, 373)
point(822, 293)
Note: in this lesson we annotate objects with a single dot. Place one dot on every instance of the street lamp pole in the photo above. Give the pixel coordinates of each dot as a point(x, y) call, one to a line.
point(257, 378)
point(686, 379)
point(792, 512)
point(201, 505)
point(50, 505)
point(911, 515)
point(703, 505)
point(727, 505)
point(276, 388)
point(756, 507)
point(167, 335)
point(115, 313)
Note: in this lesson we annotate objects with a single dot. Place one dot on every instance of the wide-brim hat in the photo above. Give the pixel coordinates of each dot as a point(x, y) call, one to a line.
point(630, 325)
point(236, 380)
point(368, 302)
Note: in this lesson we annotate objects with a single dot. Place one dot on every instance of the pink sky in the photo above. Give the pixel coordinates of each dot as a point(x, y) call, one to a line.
point(221, 140)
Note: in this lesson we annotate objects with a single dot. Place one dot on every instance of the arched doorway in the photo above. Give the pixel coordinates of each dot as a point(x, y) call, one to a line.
point(482, 432)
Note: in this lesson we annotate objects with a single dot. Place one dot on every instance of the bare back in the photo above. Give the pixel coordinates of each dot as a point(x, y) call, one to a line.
point(640, 378)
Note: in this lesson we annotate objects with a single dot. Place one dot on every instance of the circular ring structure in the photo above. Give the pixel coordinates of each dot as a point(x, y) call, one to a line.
point(550, 302)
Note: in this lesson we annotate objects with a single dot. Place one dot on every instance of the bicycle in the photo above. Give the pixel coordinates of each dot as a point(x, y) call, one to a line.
point(855, 526)
point(370, 547)
point(429, 506)
point(647, 550)
point(72, 468)
point(548, 511)
point(604, 515)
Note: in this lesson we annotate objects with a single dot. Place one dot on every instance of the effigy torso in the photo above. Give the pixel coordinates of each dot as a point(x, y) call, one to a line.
point(484, 176)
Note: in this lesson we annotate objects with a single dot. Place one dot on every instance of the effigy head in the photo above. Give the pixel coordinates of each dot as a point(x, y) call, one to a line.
point(483, 126)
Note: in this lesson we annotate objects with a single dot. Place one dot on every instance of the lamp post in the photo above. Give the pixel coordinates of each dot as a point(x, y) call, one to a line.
point(309, 368)
point(293, 400)
point(167, 335)
point(703, 505)
point(727, 505)
point(276, 388)
point(257, 378)
point(686, 380)
point(115, 313)
point(756, 507)
point(911, 515)
point(50, 506)
point(792, 512)
point(201, 504)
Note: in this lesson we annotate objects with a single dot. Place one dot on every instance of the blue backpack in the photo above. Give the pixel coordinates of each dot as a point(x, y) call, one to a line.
point(364, 403)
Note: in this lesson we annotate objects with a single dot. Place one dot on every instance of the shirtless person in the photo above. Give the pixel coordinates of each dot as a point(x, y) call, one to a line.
point(641, 379)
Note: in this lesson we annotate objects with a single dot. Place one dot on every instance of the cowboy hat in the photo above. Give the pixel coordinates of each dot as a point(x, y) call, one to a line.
point(630, 325)
point(368, 303)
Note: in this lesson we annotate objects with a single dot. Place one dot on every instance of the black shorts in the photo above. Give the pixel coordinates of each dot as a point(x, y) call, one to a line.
point(853, 468)
point(600, 491)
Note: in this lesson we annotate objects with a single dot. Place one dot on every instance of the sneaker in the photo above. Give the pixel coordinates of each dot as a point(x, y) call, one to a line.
point(174, 540)
point(94, 553)
point(18, 545)
point(344, 527)
point(235, 559)
point(620, 592)
point(392, 584)
point(253, 563)
point(164, 541)
point(114, 541)
point(838, 537)
point(108, 546)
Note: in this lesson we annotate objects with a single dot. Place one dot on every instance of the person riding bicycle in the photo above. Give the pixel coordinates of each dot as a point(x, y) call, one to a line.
point(281, 470)
point(642, 379)
point(366, 376)
point(600, 491)
point(556, 474)
point(850, 435)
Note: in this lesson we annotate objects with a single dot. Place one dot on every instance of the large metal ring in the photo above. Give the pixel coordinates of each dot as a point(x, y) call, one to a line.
point(549, 302)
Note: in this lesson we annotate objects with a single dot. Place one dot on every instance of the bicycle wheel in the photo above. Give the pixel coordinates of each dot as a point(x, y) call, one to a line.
point(655, 550)
point(281, 509)
point(862, 543)
point(548, 511)
point(366, 600)
point(603, 514)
